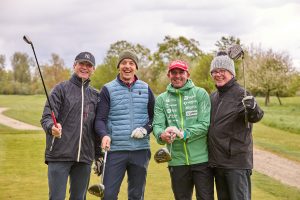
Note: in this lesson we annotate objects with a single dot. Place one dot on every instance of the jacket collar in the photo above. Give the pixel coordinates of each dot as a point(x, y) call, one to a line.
point(78, 81)
point(188, 85)
point(125, 84)
point(226, 87)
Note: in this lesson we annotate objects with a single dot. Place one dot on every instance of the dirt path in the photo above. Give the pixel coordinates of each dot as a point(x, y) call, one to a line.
point(15, 123)
point(282, 169)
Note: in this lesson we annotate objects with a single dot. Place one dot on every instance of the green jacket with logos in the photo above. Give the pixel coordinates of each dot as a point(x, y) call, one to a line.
point(187, 108)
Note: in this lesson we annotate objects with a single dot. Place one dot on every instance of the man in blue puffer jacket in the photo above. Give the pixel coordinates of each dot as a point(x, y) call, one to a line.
point(124, 121)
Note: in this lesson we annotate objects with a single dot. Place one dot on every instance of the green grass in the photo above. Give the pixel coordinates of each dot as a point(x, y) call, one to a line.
point(24, 108)
point(23, 174)
point(285, 117)
point(280, 142)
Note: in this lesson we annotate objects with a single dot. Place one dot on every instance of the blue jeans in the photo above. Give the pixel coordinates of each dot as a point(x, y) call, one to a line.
point(58, 173)
point(135, 163)
point(233, 184)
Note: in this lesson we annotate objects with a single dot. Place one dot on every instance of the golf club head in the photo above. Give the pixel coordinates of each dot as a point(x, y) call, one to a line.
point(26, 39)
point(235, 52)
point(162, 155)
point(97, 190)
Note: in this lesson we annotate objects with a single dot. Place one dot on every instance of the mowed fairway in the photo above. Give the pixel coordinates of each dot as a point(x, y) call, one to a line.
point(23, 174)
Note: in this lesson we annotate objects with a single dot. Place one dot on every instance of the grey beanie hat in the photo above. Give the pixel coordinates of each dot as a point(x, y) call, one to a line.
point(222, 62)
point(128, 54)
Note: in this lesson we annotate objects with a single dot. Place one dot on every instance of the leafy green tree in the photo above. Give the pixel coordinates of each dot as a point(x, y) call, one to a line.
point(269, 72)
point(108, 70)
point(21, 67)
point(105, 73)
point(54, 72)
point(170, 49)
point(200, 73)
point(2, 67)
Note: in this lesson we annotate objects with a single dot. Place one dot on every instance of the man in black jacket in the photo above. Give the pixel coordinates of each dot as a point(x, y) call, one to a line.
point(71, 145)
point(230, 133)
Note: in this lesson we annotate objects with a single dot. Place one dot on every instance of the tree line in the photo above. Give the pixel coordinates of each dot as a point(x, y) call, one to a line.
point(267, 72)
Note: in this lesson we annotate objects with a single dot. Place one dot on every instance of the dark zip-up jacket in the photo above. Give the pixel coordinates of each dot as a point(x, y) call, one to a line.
point(74, 103)
point(230, 138)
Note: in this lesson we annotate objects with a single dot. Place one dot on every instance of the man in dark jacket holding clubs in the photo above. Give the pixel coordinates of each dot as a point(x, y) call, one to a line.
point(71, 144)
point(230, 133)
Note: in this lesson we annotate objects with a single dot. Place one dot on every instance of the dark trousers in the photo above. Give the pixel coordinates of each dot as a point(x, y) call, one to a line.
point(135, 163)
point(185, 178)
point(233, 184)
point(58, 173)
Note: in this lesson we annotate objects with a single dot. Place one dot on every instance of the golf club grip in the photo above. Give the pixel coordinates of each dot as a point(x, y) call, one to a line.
point(54, 119)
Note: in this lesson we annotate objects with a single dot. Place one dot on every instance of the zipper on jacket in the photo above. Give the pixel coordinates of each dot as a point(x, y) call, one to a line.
point(182, 126)
point(81, 119)
point(131, 112)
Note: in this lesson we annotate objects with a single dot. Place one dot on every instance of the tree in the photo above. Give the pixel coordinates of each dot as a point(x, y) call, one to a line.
point(200, 73)
point(2, 67)
point(225, 42)
point(142, 52)
point(108, 70)
point(269, 72)
point(21, 71)
point(177, 48)
point(54, 72)
point(170, 49)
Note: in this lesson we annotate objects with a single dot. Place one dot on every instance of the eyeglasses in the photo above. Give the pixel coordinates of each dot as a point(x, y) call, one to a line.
point(220, 72)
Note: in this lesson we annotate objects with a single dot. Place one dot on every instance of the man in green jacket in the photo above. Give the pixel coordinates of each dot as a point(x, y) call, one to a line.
point(181, 120)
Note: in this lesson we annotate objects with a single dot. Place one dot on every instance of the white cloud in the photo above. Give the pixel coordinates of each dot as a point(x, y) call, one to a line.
point(70, 26)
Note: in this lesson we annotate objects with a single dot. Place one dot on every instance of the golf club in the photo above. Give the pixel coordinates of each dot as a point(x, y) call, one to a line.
point(98, 189)
point(28, 41)
point(235, 52)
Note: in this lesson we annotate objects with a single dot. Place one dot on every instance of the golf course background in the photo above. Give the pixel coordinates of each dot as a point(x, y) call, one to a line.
point(23, 174)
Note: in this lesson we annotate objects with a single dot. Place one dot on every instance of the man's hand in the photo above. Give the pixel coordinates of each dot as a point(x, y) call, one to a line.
point(168, 136)
point(139, 133)
point(105, 144)
point(56, 131)
point(98, 166)
point(175, 130)
point(249, 102)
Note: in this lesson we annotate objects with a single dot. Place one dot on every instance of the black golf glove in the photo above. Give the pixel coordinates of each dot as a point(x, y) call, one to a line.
point(98, 166)
point(249, 102)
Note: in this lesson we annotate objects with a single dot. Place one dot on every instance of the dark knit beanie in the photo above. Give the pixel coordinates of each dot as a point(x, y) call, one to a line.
point(129, 55)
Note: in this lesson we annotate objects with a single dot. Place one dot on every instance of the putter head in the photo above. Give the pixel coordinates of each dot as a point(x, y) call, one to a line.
point(235, 52)
point(162, 155)
point(97, 190)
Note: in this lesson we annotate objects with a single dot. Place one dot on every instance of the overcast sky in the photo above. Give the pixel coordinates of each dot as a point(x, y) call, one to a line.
point(67, 27)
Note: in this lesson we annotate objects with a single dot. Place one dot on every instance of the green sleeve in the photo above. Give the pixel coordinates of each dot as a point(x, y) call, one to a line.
point(200, 128)
point(159, 120)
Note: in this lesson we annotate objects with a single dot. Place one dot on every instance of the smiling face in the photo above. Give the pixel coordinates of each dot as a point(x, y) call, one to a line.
point(221, 76)
point(127, 70)
point(83, 69)
point(178, 77)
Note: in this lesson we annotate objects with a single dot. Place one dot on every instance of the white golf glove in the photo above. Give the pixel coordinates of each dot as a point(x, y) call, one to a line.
point(174, 130)
point(139, 133)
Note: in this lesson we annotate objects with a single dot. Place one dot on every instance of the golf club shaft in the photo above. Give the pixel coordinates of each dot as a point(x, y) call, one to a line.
point(27, 40)
point(45, 89)
point(104, 163)
point(245, 91)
